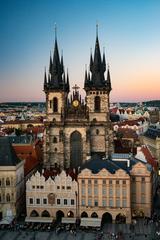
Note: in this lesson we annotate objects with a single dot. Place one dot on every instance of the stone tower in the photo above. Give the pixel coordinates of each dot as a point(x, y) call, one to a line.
point(97, 101)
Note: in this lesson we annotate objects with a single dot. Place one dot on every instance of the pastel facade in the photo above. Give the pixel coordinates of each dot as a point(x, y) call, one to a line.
point(48, 198)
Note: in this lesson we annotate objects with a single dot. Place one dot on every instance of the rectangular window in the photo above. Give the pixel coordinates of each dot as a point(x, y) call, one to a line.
point(83, 190)
point(95, 181)
point(89, 181)
point(111, 202)
point(58, 201)
point(44, 200)
point(63, 187)
point(143, 187)
point(110, 181)
point(50, 104)
point(124, 182)
point(58, 187)
point(104, 203)
point(68, 188)
point(83, 202)
point(104, 182)
point(117, 181)
point(72, 201)
point(117, 202)
point(143, 179)
point(95, 191)
point(143, 198)
point(89, 190)
point(89, 202)
point(104, 191)
point(31, 201)
point(37, 187)
point(83, 181)
point(65, 201)
point(42, 187)
point(124, 203)
point(96, 203)
point(33, 187)
point(117, 192)
point(110, 192)
point(38, 200)
point(124, 192)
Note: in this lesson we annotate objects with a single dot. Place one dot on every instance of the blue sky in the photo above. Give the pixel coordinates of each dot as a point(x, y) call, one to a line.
point(128, 29)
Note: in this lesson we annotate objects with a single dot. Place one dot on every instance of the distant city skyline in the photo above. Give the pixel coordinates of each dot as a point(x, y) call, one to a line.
point(128, 30)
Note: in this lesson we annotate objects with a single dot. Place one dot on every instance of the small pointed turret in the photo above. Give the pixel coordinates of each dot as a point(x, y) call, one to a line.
point(62, 67)
point(45, 79)
point(91, 61)
point(50, 64)
point(109, 80)
point(67, 84)
point(86, 78)
point(104, 61)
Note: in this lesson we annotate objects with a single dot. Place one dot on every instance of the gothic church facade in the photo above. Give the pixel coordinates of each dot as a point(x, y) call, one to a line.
point(77, 129)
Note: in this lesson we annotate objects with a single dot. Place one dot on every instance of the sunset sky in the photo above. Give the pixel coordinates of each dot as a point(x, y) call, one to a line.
point(128, 29)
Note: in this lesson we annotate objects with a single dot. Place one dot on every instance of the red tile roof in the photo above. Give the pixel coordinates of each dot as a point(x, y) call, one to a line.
point(149, 157)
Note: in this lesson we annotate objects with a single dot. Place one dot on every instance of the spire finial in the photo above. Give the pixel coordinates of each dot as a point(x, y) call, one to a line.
point(97, 29)
point(55, 30)
point(103, 50)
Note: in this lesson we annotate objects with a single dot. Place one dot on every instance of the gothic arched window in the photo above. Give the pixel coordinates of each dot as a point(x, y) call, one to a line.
point(97, 102)
point(55, 104)
point(76, 148)
point(8, 197)
point(7, 182)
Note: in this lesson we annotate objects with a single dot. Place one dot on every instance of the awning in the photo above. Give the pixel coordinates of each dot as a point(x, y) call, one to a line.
point(39, 219)
point(68, 220)
point(90, 222)
point(6, 220)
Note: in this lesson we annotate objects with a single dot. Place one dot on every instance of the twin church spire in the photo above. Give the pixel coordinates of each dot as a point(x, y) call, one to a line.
point(94, 78)
point(57, 79)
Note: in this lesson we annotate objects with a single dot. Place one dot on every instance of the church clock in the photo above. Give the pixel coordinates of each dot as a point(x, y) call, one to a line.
point(75, 103)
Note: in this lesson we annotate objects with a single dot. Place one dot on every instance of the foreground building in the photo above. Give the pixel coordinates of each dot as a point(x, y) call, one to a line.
point(75, 129)
point(115, 190)
point(51, 198)
point(11, 182)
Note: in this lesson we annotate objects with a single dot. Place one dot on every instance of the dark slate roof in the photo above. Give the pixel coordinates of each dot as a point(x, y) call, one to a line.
point(23, 139)
point(96, 164)
point(152, 133)
point(8, 156)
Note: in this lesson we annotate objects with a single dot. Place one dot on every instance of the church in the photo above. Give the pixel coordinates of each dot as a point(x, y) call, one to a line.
point(77, 129)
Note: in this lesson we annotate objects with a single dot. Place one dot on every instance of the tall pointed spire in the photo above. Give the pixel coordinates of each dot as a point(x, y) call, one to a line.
point(96, 79)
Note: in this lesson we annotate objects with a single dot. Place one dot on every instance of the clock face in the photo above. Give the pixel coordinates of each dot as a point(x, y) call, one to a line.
point(75, 103)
